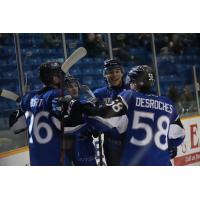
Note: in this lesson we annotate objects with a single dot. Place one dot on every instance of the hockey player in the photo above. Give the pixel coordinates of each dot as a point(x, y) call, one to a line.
point(113, 73)
point(83, 148)
point(150, 123)
point(45, 137)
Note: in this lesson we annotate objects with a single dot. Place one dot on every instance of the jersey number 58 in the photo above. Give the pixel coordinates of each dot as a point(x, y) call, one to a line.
point(162, 131)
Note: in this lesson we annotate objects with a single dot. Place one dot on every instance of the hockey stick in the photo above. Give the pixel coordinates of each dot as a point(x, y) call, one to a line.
point(87, 90)
point(74, 58)
point(93, 99)
point(69, 62)
point(16, 98)
point(10, 95)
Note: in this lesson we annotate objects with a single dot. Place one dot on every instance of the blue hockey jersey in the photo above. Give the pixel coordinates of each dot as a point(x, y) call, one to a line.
point(107, 94)
point(45, 138)
point(84, 147)
point(151, 124)
point(84, 150)
point(112, 146)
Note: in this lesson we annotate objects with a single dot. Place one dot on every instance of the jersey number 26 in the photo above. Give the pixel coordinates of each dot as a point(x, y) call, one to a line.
point(35, 126)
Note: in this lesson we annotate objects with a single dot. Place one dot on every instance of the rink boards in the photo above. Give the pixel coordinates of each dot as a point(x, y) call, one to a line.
point(188, 152)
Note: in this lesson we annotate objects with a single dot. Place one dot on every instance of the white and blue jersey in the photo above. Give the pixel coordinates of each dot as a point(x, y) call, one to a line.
point(150, 123)
point(112, 146)
point(45, 137)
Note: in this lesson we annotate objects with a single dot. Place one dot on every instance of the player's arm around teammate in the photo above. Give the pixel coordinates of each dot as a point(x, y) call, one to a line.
point(113, 73)
point(149, 121)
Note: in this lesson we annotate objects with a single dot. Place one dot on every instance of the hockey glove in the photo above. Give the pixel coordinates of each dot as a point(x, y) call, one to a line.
point(17, 122)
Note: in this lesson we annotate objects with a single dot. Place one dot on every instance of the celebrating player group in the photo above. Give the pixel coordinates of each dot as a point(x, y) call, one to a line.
point(132, 125)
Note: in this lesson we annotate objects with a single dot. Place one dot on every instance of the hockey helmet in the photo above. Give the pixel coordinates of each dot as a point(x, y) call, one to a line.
point(71, 79)
point(142, 76)
point(111, 64)
point(48, 70)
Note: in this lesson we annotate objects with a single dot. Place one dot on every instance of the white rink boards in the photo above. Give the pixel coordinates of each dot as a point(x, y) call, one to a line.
point(188, 152)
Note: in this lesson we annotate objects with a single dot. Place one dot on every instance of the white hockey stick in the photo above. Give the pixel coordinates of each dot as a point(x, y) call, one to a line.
point(9, 95)
point(86, 89)
point(74, 58)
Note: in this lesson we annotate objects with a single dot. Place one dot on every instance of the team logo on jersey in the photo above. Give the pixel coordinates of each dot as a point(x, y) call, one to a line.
point(107, 100)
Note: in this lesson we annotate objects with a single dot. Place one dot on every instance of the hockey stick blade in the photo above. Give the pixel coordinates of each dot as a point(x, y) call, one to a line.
point(9, 95)
point(86, 89)
point(74, 58)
